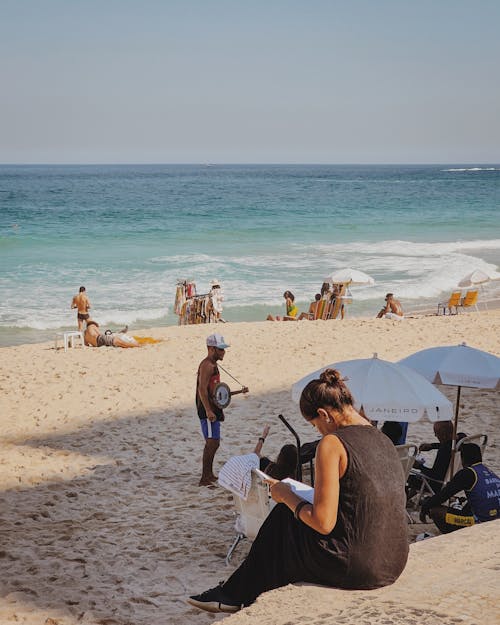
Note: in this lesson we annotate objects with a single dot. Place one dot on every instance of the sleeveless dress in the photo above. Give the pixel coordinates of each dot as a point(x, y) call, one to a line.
point(367, 548)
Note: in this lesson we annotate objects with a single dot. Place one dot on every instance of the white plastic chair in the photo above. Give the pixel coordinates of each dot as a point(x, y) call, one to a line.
point(69, 339)
point(251, 513)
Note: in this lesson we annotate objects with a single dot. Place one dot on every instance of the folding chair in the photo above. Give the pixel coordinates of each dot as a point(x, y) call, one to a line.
point(252, 512)
point(453, 302)
point(305, 452)
point(407, 454)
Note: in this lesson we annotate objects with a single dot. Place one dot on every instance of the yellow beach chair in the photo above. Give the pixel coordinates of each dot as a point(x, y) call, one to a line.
point(470, 300)
point(453, 302)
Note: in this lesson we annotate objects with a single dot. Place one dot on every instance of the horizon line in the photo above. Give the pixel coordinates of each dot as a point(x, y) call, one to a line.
point(243, 163)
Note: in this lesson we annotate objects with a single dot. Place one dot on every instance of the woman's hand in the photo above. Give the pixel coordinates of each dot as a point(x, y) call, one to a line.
point(265, 431)
point(279, 490)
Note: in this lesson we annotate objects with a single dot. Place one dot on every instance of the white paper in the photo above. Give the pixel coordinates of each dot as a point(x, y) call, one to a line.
point(302, 490)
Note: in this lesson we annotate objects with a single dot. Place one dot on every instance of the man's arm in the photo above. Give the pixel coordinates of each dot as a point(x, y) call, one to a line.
point(73, 302)
point(463, 480)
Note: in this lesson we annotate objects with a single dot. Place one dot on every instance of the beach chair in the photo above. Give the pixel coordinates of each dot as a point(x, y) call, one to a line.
point(305, 452)
point(407, 454)
point(453, 302)
point(481, 440)
point(469, 300)
point(428, 486)
point(252, 512)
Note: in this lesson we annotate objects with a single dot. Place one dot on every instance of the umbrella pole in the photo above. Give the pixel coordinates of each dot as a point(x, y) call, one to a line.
point(455, 430)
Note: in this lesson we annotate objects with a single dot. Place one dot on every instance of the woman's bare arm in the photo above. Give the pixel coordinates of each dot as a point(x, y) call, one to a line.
point(331, 463)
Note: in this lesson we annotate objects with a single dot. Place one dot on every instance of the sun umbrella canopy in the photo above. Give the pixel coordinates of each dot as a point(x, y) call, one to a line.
point(457, 365)
point(478, 276)
point(349, 275)
point(387, 391)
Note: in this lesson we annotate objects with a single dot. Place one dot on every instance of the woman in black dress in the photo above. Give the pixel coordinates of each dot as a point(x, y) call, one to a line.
point(354, 535)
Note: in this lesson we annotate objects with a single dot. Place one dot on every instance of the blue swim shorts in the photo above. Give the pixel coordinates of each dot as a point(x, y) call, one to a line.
point(210, 429)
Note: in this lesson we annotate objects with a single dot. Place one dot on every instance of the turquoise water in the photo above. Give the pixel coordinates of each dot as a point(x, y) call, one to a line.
point(129, 232)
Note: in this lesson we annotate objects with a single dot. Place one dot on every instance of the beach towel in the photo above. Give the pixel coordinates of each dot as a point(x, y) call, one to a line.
point(147, 339)
point(236, 474)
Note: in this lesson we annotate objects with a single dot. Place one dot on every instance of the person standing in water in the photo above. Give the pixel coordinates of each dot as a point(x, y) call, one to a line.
point(82, 303)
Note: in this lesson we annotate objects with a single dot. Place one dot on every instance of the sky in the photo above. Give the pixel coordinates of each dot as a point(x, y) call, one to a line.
point(249, 81)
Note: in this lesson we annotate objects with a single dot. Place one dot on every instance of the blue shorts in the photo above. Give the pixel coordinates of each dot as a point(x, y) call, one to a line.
point(210, 429)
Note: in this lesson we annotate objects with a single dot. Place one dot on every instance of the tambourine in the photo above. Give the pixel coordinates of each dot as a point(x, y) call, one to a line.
point(222, 394)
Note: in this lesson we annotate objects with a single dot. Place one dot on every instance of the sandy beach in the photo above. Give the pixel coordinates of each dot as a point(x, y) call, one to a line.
point(101, 518)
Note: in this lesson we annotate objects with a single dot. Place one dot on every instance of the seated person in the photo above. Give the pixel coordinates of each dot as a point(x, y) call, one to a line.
point(96, 338)
point(393, 430)
point(313, 307)
point(481, 486)
point(291, 309)
point(435, 475)
point(392, 308)
point(285, 464)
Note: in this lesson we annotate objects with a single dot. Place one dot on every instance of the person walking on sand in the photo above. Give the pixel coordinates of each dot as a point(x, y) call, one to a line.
point(392, 308)
point(82, 303)
point(209, 413)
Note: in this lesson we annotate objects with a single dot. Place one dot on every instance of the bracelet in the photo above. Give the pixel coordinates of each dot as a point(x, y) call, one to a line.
point(261, 438)
point(298, 508)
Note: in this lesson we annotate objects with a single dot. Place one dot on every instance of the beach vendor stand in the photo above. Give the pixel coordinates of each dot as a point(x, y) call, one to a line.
point(193, 308)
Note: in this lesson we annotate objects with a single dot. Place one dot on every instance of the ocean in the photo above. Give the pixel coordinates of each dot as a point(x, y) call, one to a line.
point(129, 232)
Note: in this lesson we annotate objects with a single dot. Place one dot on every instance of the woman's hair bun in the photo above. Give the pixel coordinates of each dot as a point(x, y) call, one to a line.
point(331, 377)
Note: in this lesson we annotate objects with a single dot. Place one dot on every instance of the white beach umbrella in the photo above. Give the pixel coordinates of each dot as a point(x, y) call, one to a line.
point(478, 276)
point(456, 365)
point(387, 391)
point(354, 276)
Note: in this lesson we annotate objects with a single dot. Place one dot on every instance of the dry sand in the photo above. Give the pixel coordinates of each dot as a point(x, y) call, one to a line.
point(101, 518)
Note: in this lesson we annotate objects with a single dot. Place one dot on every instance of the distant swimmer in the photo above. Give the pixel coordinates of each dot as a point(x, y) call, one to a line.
point(392, 308)
point(82, 303)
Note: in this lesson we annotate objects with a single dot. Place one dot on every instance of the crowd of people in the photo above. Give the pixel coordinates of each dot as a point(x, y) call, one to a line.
point(353, 535)
point(331, 304)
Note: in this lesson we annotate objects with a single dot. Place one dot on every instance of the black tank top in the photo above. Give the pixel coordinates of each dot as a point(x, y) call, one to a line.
point(370, 536)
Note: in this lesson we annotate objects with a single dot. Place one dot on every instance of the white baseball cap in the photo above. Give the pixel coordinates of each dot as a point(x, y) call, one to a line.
point(216, 340)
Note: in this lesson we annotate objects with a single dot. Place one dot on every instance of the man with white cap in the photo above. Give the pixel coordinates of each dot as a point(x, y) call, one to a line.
point(209, 413)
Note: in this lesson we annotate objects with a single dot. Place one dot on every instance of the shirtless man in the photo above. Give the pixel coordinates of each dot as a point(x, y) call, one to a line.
point(209, 414)
point(82, 304)
point(96, 338)
point(392, 308)
point(313, 306)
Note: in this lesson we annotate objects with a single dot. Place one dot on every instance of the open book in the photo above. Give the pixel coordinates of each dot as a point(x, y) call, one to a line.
point(299, 488)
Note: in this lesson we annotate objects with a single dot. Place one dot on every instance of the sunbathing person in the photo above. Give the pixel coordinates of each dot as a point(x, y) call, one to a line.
point(392, 308)
point(96, 338)
point(291, 309)
point(353, 536)
point(313, 307)
point(481, 486)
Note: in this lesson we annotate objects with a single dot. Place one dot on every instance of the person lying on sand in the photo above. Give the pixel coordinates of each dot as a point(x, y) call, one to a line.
point(96, 338)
